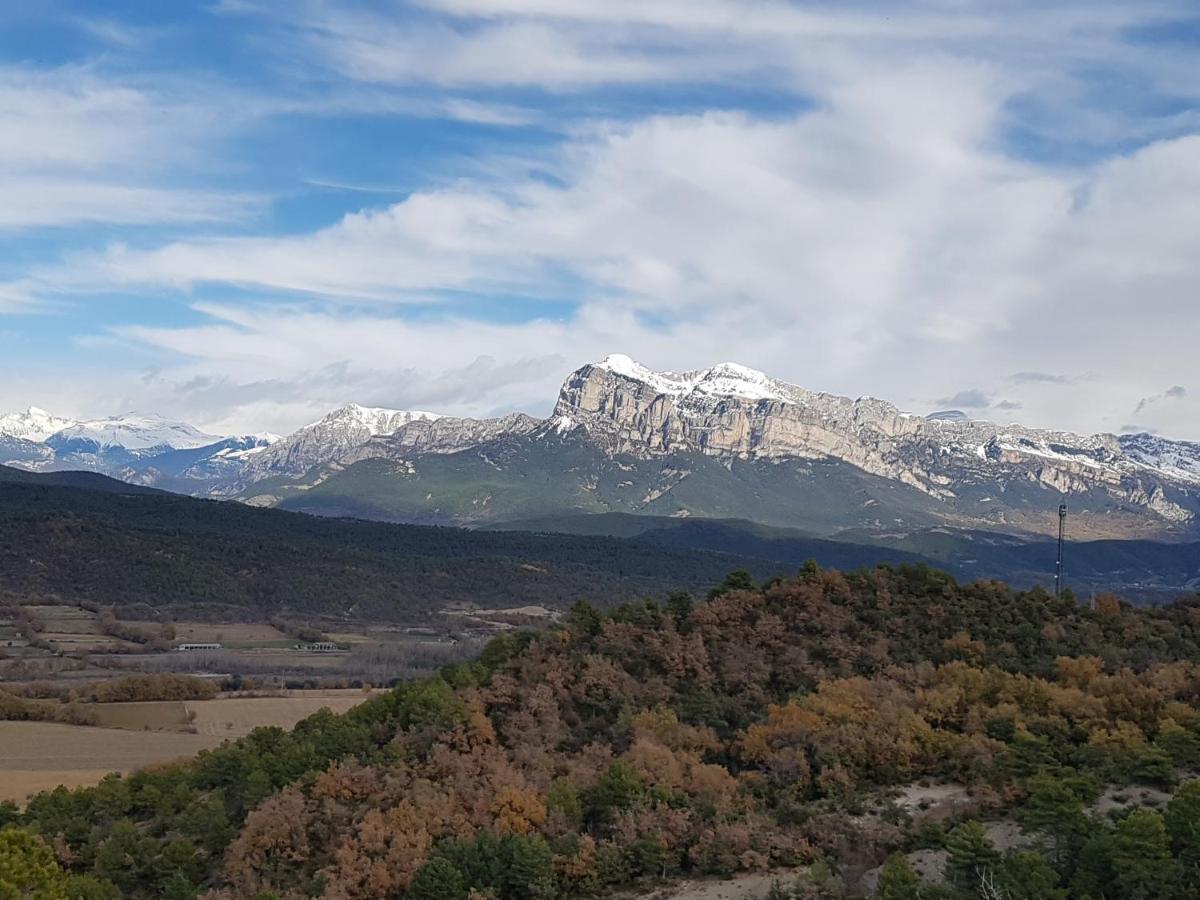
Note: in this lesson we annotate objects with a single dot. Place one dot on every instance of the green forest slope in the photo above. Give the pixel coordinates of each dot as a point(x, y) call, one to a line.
point(84, 537)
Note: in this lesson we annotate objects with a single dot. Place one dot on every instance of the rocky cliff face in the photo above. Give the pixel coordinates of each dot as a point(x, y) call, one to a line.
point(731, 411)
point(328, 439)
point(444, 434)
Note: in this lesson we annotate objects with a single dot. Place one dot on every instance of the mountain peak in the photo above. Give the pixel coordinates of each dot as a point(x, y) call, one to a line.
point(135, 431)
point(724, 379)
point(374, 420)
point(34, 424)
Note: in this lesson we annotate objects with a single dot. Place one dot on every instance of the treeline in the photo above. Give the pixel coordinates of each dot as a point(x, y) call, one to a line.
point(56, 702)
point(156, 638)
point(763, 726)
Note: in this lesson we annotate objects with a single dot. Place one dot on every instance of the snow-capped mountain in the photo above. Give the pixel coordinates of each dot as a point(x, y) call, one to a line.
point(726, 441)
point(132, 431)
point(732, 441)
point(1174, 459)
point(32, 425)
point(142, 449)
point(328, 438)
point(733, 412)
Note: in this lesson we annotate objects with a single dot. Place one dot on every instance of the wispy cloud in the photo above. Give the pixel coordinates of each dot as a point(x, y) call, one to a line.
point(1175, 392)
point(973, 398)
point(76, 147)
point(1038, 378)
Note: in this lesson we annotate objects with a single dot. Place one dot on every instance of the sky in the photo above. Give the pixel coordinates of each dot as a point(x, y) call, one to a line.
point(243, 214)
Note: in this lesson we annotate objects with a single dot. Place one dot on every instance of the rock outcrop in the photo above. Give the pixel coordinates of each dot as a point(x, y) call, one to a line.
point(732, 411)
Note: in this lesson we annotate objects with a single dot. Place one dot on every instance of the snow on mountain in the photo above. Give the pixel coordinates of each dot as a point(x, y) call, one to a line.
point(133, 431)
point(723, 380)
point(247, 446)
point(622, 408)
point(734, 412)
point(1176, 459)
point(370, 421)
point(329, 438)
point(33, 424)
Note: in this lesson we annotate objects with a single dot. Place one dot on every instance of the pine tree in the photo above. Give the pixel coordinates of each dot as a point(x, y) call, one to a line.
point(1025, 875)
point(1142, 856)
point(438, 879)
point(971, 855)
point(1053, 809)
point(897, 880)
point(1183, 824)
point(28, 868)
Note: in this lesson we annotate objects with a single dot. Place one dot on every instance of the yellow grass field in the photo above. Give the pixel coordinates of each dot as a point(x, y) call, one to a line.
point(37, 756)
point(226, 717)
point(236, 716)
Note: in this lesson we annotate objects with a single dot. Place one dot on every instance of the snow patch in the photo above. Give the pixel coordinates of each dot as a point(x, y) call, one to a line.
point(374, 420)
point(33, 425)
point(727, 379)
point(134, 431)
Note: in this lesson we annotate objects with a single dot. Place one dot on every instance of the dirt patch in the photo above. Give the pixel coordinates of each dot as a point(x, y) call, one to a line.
point(935, 801)
point(1121, 797)
point(749, 886)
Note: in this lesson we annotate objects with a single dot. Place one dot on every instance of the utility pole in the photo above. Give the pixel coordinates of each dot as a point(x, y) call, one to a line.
point(1058, 565)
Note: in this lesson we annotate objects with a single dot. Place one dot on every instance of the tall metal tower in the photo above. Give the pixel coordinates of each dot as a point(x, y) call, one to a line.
point(1058, 565)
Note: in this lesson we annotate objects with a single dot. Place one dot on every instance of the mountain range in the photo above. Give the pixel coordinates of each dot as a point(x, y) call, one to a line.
point(726, 442)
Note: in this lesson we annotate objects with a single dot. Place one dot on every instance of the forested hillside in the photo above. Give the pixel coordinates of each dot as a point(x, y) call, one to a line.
point(84, 537)
point(762, 727)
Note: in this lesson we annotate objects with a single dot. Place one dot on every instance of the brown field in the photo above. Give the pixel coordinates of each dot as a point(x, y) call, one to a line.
point(155, 715)
point(224, 717)
point(37, 756)
point(206, 632)
point(236, 716)
point(68, 641)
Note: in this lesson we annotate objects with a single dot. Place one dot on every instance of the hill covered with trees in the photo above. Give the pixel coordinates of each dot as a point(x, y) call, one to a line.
point(764, 727)
point(83, 537)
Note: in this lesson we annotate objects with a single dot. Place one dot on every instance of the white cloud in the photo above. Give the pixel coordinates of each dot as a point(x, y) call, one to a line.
point(76, 148)
point(834, 248)
point(887, 239)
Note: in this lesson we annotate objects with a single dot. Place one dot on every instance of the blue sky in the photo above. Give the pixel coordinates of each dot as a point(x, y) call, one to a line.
point(244, 213)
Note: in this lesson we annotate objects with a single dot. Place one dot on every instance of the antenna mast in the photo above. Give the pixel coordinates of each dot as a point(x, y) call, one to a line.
point(1058, 565)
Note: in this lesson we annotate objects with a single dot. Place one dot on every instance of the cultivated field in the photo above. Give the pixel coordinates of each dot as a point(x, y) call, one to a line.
point(238, 716)
point(36, 756)
point(224, 717)
point(67, 643)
